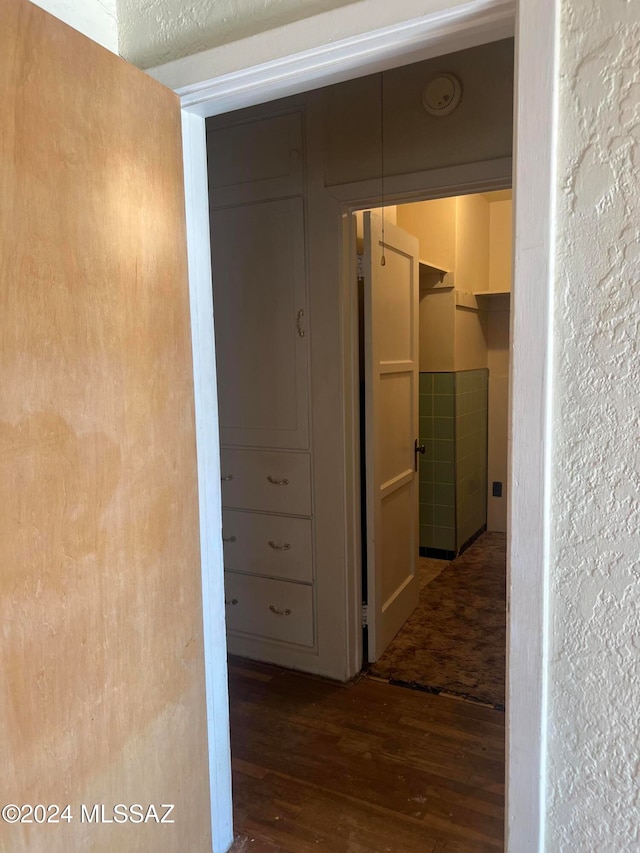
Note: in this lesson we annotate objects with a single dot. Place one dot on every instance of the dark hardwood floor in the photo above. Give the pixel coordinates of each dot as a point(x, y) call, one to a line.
point(361, 768)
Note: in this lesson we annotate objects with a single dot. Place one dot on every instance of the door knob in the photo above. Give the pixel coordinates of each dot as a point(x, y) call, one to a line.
point(418, 448)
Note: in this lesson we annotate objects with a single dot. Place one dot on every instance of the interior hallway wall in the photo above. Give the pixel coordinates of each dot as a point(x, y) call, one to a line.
point(497, 331)
point(500, 244)
point(471, 388)
point(470, 350)
point(472, 242)
point(433, 222)
point(454, 236)
point(497, 320)
point(595, 597)
point(472, 236)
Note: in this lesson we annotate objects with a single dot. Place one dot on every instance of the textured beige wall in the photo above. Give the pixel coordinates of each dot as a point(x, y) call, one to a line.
point(153, 32)
point(157, 31)
point(454, 235)
point(595, 599)
point(434, 224)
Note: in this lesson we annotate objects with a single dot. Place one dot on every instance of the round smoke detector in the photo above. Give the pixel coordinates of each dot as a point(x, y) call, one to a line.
point(442, 95)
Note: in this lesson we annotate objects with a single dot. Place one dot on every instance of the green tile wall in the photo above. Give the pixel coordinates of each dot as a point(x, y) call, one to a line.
point(453, 428)
point(471, 452)
point(437, 465)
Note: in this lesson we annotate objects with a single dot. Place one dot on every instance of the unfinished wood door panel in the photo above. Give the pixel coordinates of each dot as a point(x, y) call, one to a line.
point(259, 291)
point(391, 423)
point(102, 691)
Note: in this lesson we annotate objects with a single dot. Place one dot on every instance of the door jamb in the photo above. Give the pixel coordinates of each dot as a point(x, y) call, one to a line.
point(220, 87)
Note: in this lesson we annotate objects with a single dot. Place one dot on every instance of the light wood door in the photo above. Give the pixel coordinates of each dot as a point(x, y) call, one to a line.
point(391, 426)
point(102, 695)
point(259, 293)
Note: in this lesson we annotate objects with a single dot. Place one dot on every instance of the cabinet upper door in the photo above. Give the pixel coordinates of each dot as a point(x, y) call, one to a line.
point(259, 292)
point(255, 160)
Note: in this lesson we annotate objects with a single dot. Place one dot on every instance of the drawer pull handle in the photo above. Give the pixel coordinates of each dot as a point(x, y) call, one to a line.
point(286, 612)
point(227, 478)
point(229, 539)
point(299, 326)
point(285, 547)
point(233, 601)
point(273, 481)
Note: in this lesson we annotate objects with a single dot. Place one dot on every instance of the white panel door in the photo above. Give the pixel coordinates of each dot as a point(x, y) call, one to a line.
point(259, 292)
point(391, 425)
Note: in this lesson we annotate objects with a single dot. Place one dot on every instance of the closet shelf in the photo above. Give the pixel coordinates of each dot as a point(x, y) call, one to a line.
point(434, 277)
point(491, 293)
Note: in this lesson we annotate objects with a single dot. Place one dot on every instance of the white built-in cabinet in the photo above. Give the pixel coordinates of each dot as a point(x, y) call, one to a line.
point(257, 199)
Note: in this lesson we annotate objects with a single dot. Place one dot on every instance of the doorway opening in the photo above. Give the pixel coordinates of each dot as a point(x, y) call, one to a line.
point(439, 406)
point(281, 178)
point(212, 84)
point(279, 182)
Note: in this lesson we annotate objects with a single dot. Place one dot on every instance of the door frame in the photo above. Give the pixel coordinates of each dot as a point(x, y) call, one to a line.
point(272, 65)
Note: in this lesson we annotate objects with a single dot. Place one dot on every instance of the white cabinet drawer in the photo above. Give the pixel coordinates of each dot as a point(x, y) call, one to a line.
point(268, 481)
point(275, 546)
point(271, 609)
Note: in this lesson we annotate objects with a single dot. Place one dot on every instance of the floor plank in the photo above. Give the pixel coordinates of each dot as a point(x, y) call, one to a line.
point(361, 768)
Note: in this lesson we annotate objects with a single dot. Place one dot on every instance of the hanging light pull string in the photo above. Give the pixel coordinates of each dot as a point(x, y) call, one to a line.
point(382, 259)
